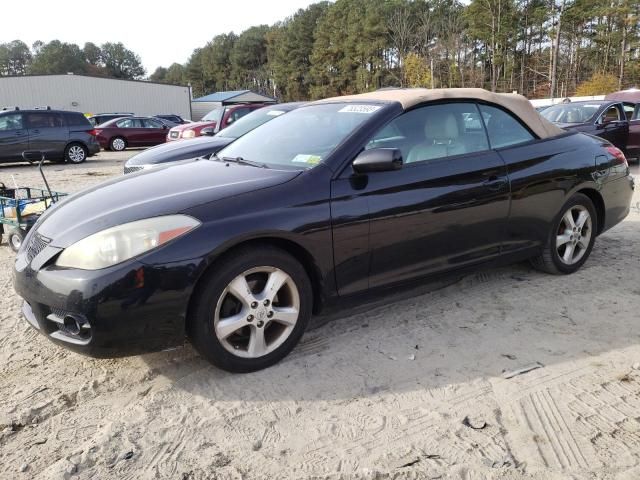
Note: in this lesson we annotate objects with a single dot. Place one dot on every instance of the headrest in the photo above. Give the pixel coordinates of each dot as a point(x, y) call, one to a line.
point(437, 127)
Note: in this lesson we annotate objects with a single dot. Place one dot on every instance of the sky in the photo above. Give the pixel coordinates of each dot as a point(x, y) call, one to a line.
point(161, 32)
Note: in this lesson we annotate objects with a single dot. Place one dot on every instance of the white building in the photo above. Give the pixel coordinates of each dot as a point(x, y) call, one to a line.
point(88, 94)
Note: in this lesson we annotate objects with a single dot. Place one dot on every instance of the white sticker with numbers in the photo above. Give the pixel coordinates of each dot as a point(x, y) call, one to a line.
point(360, 109)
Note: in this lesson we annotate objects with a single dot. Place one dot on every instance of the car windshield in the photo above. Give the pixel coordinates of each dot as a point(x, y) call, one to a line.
point(251, 121)
point(213, 116)
point(571, 112)
point(302, 138)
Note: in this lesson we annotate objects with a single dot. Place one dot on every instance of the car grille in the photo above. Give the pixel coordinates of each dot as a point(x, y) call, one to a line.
point(174, 134)
point(37, 243)
point(132, 169)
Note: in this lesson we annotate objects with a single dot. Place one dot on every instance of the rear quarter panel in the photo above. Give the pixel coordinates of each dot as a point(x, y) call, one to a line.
point(543, 175)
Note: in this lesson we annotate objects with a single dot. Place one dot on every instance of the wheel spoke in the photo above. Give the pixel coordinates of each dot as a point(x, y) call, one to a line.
point(257, 346)
point(227, 326)
point(568, 219)
point(274, 283)
point(285, 315)
point(568, 253)
point(562, 239)
point(239, 288)
point(582, 218)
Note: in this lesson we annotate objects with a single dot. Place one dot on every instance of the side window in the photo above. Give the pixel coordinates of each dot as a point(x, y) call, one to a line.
point(612, 114)
point(433, 132)
point(629, 109)
point(148, 123)
point(503, 129)
point(12, 121)
point(44, 120)
point(636, 113)
point(129, 123)
point(237, 114)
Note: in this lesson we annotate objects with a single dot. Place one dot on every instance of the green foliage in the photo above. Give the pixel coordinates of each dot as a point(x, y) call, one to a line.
point(598, 84)
point(120, 62)
point(416, 71)
point(58, 57)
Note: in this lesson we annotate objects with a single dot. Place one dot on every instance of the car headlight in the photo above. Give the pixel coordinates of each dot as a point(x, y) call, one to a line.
point(188, 134)
point(117, 244)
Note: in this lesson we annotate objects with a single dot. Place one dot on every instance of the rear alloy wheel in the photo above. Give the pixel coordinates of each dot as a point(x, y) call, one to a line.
point(117, 144)
point(75, 153)
point(252, 311)
point(572, 238)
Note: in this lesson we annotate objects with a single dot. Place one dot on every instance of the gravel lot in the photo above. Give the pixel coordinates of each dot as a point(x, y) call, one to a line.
point(408, 388)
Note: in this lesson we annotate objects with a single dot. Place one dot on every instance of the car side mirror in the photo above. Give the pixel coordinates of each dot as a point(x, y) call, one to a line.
point(378, 160)
point(207, 132)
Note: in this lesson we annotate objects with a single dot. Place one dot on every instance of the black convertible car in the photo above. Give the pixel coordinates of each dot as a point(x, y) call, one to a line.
point(337, 198)
point(206, 145)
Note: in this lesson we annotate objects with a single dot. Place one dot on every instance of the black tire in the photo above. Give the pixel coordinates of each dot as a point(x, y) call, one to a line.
point(117, 144)
point(550, 261)
point(15, 238)
point(75, 153)
point(200, 324)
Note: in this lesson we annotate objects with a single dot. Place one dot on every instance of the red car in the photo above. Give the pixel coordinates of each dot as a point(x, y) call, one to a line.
point(121, 133)
point(217, 119)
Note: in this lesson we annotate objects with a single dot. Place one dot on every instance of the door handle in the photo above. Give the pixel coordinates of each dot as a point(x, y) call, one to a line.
point(495, 183)
point(36, 131)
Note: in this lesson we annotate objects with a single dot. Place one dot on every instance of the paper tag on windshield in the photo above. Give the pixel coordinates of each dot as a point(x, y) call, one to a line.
point(308, 159)
point(359, 109)
point(275, 113)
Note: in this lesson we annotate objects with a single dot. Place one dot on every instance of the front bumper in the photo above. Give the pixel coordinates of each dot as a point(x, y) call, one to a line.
point(127, 309)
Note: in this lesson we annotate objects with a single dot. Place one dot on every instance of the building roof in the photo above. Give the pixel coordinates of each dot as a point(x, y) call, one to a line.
point(234, 96)
point(98, 77)
point(409, 97)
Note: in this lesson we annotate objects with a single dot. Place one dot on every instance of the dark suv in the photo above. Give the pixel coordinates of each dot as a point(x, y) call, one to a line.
point(60, 135)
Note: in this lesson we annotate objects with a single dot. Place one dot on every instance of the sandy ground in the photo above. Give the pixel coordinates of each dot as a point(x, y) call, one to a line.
point(377, 393)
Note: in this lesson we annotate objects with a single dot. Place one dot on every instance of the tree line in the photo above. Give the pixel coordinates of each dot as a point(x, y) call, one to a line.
point(108, 60)
point(540, 48)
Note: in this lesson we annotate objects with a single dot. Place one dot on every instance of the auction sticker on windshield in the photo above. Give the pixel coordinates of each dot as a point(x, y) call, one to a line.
point(308, 159)
point(275, 113)
point(359, 109)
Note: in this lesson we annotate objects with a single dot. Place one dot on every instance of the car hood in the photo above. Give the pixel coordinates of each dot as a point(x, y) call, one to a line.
point(161, 191)
point(173, 151)
point(193, 125)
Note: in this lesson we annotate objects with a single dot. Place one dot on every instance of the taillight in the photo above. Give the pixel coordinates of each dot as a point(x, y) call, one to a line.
point(93, 132)
point(616, 152)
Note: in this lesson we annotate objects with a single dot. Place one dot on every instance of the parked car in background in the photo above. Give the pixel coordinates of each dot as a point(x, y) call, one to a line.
point(218, 119)
point(607, 119)
point(319, 206)
point(100, 118)
point(629, 97)
point(177, 119)
point(60, 135)
point(127, 132)
point(205, 145)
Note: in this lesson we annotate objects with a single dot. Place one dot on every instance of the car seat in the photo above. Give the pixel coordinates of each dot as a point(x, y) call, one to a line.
point(442, 139)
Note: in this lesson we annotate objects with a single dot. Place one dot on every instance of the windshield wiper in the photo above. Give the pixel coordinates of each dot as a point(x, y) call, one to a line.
point(244, 161)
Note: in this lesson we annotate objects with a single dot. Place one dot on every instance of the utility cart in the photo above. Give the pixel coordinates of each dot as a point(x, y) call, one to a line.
point(20, 207)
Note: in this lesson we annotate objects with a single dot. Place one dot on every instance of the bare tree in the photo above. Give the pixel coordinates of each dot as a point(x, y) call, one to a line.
point(402, 35)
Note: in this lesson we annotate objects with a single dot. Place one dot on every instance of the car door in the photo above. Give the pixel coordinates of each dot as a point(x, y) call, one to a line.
point(133, 131)
point(48, 133)
point(156, 132)
point(446, 208)
point(612, 125)
point(633, 140)
point(14, 136)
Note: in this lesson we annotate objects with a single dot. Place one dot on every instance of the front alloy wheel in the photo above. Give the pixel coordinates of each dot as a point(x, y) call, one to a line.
point(251, 309)
point(257, 312)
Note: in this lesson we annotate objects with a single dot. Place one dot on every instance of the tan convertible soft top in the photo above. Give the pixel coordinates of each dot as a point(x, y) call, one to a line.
point(408, 97)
